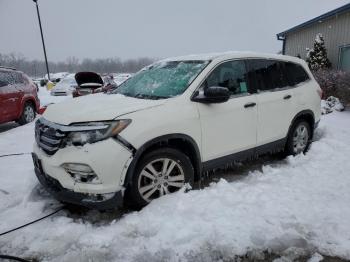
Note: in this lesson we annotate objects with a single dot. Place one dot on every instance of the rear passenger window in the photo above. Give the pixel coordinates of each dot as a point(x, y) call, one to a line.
point(17, 78)
point(296, 73)
point(26, 80)
point(267, 75)
point(5, 79)
point(231, 75)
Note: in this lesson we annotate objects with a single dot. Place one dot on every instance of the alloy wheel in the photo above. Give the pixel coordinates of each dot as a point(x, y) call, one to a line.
point(160, 177)
point(29, 114)
point(300, 139)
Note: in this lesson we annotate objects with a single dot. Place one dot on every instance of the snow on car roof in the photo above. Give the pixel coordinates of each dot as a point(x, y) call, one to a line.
point(230, 55)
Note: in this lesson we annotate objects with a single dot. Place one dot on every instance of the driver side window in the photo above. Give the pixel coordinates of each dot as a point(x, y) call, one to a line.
point(232, 75)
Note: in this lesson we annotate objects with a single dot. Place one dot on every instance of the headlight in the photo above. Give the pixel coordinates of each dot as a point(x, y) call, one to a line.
point(81, 134)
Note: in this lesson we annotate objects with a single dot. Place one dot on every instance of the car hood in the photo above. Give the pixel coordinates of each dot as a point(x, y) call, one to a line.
point(97, 107)
point(88, 77)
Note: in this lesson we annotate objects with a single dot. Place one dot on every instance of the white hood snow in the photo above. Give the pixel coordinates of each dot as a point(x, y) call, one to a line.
point(97, 107)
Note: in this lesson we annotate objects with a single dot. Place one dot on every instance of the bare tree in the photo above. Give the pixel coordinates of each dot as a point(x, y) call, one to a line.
point(36, 68)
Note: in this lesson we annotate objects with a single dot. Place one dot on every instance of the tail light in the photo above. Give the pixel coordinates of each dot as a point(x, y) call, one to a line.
point(320, 93)
point(42, 110)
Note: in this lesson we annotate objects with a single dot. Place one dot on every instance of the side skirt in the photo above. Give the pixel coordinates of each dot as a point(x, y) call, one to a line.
point(272, 147)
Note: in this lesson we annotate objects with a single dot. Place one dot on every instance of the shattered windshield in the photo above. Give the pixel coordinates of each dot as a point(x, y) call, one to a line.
point(162, 80)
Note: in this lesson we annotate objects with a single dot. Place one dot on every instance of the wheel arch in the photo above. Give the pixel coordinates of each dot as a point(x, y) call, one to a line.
point(306, 115)
point(29, 100)
point(182, 142)
point(21, 105)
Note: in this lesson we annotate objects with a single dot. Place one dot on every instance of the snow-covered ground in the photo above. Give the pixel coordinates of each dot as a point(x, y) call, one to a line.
point(292, 207)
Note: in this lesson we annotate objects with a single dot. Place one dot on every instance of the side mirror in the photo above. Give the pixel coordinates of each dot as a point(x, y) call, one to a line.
point(213, 94)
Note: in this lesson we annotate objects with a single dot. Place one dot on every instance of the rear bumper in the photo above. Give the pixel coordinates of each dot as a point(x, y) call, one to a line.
point(316, 124)
point(93, 201)
point(59, 93)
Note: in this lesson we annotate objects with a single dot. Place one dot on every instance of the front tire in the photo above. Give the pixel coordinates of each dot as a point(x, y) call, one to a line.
point(28, 114)
point(160, 172)
point(299, 138)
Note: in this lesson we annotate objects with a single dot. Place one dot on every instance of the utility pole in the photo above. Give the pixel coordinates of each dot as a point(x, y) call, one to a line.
point(42, 38)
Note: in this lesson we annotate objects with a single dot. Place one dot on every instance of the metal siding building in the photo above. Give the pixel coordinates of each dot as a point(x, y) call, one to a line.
point(335, 28)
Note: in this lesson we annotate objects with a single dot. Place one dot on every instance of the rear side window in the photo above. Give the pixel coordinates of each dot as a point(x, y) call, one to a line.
point(17, 78)
point(232, 75)
point(10, 78)
point(296, 73)
point(5, 78)
point(26, 79)
point(265, 75)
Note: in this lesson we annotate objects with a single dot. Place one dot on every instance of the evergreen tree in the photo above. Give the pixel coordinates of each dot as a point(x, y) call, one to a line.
point(317, 57)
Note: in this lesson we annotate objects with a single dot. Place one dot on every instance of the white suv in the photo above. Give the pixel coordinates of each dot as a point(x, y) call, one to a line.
point(171, 122)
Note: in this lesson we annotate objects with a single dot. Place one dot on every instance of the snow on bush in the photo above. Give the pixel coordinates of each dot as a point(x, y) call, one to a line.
point(334, 83)
point(330, 104)
point(317, 57)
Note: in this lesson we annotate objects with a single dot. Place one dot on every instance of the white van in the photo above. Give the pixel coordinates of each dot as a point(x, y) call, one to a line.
point(65, 87)
point(172, 121)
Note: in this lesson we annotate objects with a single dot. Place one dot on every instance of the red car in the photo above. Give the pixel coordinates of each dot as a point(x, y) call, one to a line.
point(18, 97)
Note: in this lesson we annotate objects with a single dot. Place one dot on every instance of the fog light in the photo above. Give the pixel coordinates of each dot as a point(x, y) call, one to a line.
point(81, 173)
point(99, 197)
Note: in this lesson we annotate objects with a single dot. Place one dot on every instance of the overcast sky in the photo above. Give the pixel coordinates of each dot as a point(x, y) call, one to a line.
point(150, 28)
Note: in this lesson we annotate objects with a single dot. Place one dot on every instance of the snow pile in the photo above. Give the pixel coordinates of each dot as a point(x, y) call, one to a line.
point(296, 206)
point(316, 258)
point(331, 104)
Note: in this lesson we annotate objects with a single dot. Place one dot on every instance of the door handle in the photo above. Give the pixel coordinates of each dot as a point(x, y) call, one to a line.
point(287, 97)
point(249, 105)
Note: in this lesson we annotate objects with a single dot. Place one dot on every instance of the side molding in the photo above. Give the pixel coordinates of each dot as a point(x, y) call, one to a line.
point(252, 153)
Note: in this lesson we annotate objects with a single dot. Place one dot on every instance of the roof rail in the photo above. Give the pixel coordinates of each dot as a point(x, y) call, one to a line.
point(6, 67)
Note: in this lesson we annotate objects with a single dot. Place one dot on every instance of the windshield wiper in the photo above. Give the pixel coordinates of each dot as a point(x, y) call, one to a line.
point(140, 96)
point(153, 97)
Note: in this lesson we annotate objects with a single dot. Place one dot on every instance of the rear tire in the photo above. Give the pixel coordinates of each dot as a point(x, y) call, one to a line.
point(28, 114)
point(299, 138)
point(159, 172)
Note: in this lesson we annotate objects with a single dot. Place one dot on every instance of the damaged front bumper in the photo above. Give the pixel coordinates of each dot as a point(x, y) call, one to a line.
point(93, 201)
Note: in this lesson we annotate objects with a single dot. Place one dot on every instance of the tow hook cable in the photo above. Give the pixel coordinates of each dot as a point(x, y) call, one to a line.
point(8, 257)
point(15, 154)
point(13, 258)
point(25, 225)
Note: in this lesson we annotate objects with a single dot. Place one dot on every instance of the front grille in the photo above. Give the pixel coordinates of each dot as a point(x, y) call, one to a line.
point(48, 137)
